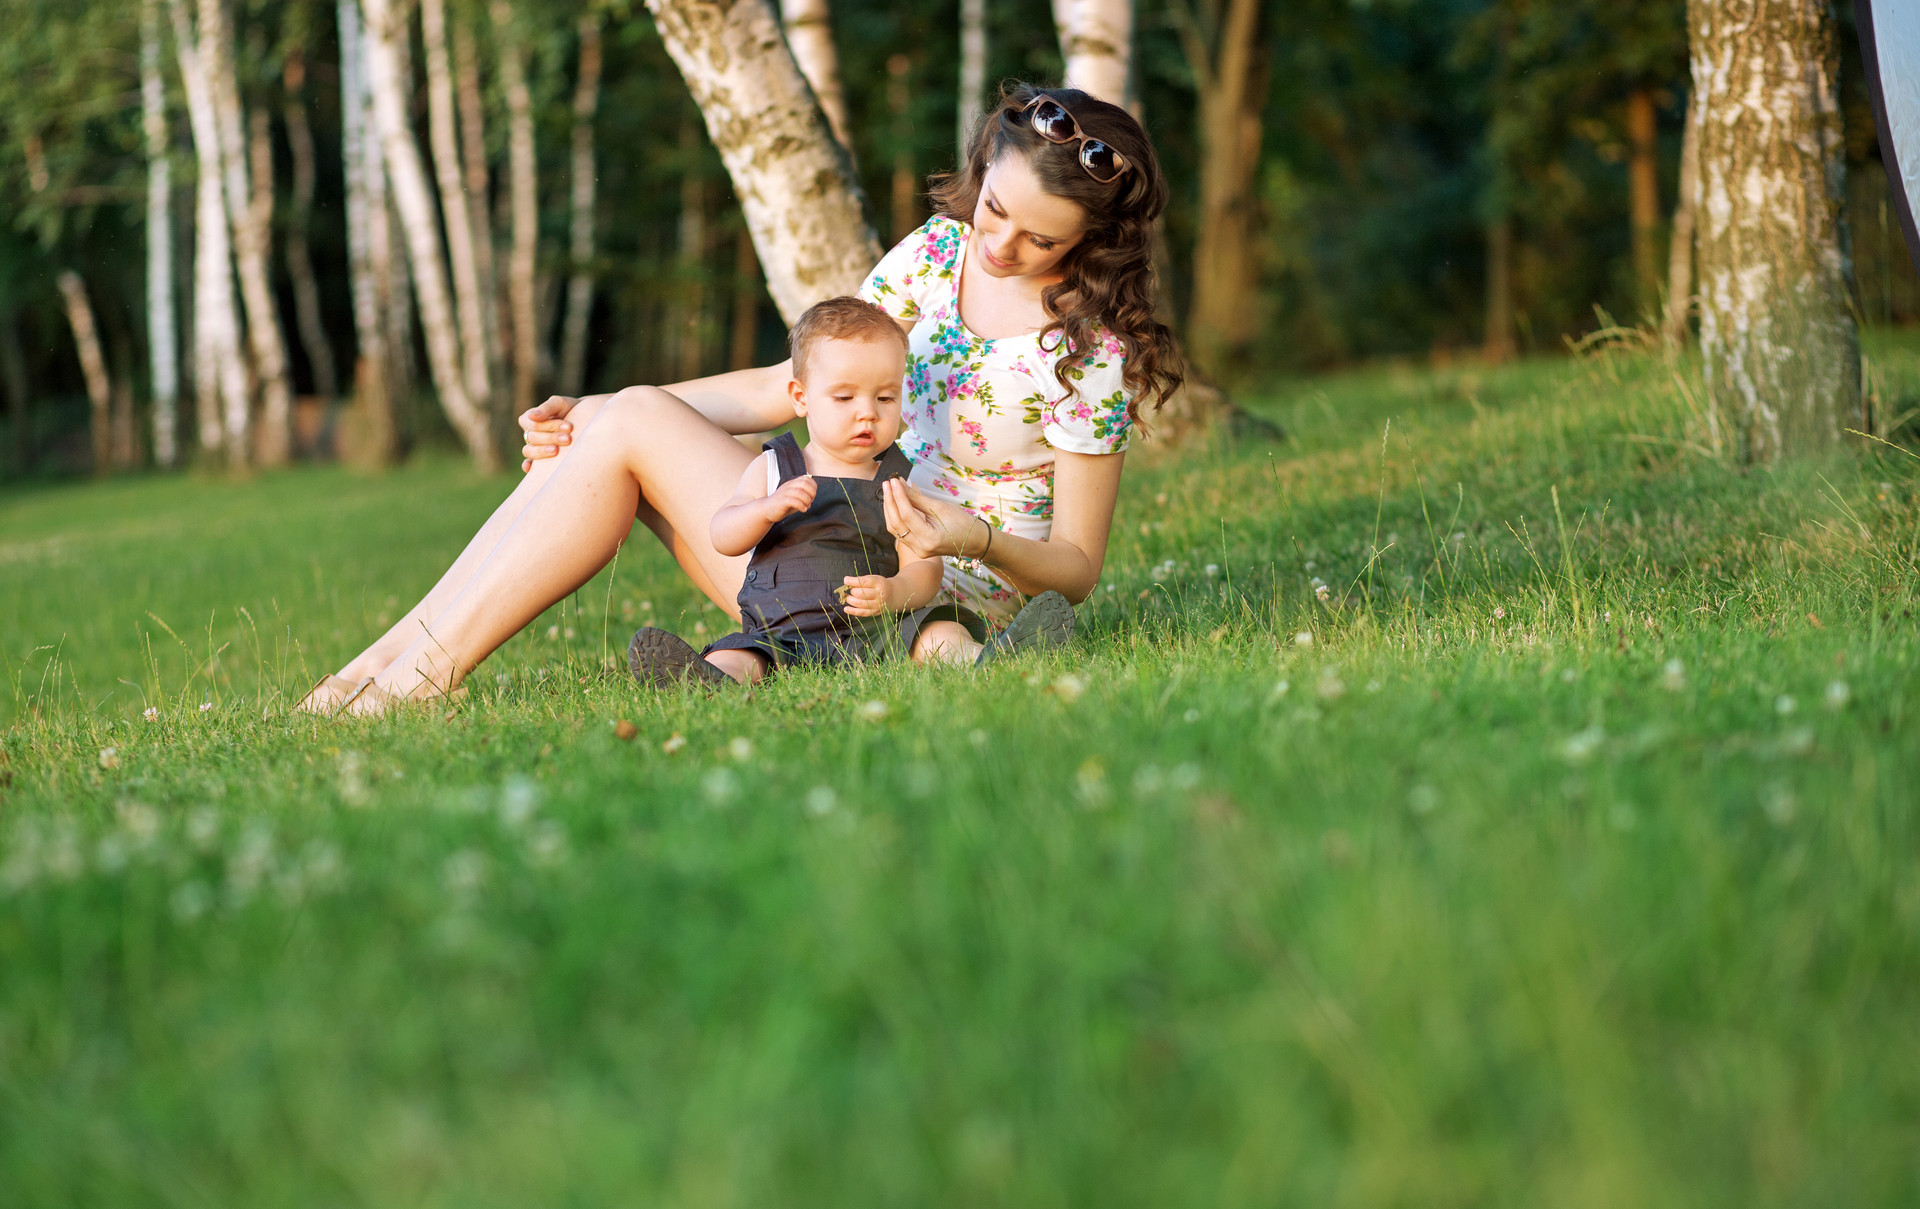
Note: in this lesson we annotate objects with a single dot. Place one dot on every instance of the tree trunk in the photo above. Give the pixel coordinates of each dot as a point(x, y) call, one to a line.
point(13, 379)
point(219, 366)
point(1231, 94)
point(794, 180)
point(251, 213)
point(586, 100)
point(809, 26)
point(973, 70)
point(1680, 250)
point(1096, 40)
point(468, 304)
point(365, 255)
point(906, 182)
point(689, 360)
point(524, 199)
point(163, 342)
point(1497, 344)
point(415, 203)
point(306, 288)
point(473, 143)
point(1776, 329)
point(391, 231)
point(746, 303)
point(86, 339)
point(1643, 172)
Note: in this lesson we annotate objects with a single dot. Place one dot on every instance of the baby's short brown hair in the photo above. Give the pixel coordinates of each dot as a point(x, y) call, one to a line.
point(842, 318)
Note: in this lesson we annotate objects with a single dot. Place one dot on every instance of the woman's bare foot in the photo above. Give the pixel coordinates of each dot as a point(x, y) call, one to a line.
point(328, 694)
point(372, 701)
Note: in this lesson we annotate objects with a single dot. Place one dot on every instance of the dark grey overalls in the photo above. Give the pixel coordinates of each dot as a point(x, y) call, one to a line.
point(789, 610)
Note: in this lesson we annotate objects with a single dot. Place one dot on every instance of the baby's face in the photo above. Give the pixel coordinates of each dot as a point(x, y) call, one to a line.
point(851, 397)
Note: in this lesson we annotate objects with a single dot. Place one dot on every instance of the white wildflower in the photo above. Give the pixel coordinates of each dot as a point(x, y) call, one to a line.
point(518, 797)
point(1330, 685)
point(190, 901)
point(205, 706)
point(1185, 776)
point(1192, 715)
point(547, 844)
point(1579, 747)
point(1147, 779)
point(1212, 570)
point(1303, 638)
point(871, 711)
point(674, 742)
point(1778, 802)
point(109, 757)
point(150, 713)
point(1673, 677)
point(1499, 614)
point(821, 800)
point(464, 872)
point(1090, 781)
point(1069, 688)
point(740, 748)
point(1785, 705)
point(1423, 799)
point(203, 828)
point(1838, 694)
point(720, 784)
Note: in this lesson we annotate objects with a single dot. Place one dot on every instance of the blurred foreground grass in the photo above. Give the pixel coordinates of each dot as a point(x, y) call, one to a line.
point(1563, 854)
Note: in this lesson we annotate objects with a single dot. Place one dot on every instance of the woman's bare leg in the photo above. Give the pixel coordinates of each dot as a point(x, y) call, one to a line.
point(641, 440)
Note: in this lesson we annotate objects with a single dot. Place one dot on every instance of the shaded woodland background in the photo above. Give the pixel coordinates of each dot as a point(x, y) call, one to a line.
point(1401, 143)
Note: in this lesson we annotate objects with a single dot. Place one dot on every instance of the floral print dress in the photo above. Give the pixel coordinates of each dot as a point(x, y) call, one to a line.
point(982, 418)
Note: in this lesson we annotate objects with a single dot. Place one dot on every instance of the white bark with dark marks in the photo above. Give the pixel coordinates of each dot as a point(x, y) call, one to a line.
point(794, 180)
point(1776, 329)
point(809, 26)
point(453, 202)
point(93, 366)
point(163, 348)
point(524, 203)
point(415, 203)
point(1096, 40)
point(586, 102)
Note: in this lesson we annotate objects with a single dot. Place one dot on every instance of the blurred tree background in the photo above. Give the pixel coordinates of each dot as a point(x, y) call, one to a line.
point(1431, 179)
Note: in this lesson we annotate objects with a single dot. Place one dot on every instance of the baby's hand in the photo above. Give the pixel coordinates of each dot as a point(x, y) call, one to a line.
point(865, 595)
point(794, 495)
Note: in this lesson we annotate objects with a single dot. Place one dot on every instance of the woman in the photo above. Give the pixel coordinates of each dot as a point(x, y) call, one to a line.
point(1029, 304)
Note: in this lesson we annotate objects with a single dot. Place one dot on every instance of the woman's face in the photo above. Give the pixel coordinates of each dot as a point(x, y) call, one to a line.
point(1023, 231)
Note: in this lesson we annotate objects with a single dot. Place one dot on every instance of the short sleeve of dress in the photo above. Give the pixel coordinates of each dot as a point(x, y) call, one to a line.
point(905, 277)
point(1093, 419)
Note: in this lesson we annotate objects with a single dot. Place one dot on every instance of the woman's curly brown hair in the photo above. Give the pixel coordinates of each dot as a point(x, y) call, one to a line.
point(1108, 277)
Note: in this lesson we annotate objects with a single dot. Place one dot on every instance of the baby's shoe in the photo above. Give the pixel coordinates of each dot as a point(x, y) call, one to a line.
point(664, 660)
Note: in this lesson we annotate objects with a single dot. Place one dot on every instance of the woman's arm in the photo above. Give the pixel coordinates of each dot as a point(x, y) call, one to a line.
point(743, 401)
point(1085, 488)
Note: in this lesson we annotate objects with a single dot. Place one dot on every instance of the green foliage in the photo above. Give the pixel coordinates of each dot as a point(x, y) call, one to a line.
point(1572, 861)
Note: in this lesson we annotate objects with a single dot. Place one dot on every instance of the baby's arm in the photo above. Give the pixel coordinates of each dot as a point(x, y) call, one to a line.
point(743, 520)
point(916, 585)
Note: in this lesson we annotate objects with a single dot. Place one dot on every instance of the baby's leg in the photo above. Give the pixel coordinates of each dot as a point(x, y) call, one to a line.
point(945, 642)
point(748, 667)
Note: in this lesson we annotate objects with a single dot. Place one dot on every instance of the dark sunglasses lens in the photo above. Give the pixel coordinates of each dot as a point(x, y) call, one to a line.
point(1099, 159)
point(1052, 121)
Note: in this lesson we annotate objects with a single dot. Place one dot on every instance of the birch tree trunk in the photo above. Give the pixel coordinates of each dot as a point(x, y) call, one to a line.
point(219, 367)
point(1226, 67)
point(795, 182)
point(415, 203)
point(1096, 40)
point(1680, 250)
point(366, 275)
point(473, 141)
point(1781, 350)
point(86, 339)
point(453, 205)
point(1643, 194)
point(251, 215)
point(973, 69)
point(809, 26)
point(306, 288)
point(524, 201)
point(586, 101)
point(163, 342)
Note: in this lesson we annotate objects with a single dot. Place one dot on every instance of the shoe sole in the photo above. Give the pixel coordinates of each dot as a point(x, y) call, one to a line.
point(1046, 621)
point(664, 660)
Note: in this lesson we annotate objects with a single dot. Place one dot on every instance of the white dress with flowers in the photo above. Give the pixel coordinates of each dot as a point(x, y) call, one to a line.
point(982, 418)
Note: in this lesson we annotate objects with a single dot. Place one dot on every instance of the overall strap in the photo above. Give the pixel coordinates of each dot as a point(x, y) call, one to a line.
point(894, 464)
point(787, 457)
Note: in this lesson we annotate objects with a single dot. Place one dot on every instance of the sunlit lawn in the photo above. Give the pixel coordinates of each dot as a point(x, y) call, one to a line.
point(1564, 854)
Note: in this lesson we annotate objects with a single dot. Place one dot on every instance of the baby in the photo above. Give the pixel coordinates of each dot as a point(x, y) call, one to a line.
point(826, 584)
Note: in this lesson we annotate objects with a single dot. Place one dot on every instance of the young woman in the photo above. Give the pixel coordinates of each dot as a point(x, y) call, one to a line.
point(1029, 305)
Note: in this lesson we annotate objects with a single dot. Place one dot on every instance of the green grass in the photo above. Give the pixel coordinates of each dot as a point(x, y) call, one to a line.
point(1570, 861)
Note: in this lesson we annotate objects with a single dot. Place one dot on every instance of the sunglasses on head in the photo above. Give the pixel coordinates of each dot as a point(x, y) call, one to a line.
point(1051, 121)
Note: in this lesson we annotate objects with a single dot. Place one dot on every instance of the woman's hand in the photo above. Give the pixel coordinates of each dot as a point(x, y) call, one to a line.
point(928, 528)
point(547, 429)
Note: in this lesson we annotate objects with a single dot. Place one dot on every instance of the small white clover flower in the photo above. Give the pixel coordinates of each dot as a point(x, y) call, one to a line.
point(109, 757)
point(1838, 694)
point(1579, 747)
point(1212, 569)
point(674, 742)
point(1303, 638)
point(205, 706)
point(1785, 705)
point(821, 800)
point(740, 748)
point(1673, 677)
point(871, 711)
point(151, 714)
point(553, 633)
point(719, 784)
point(1499, 614)
point(1069, 688)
